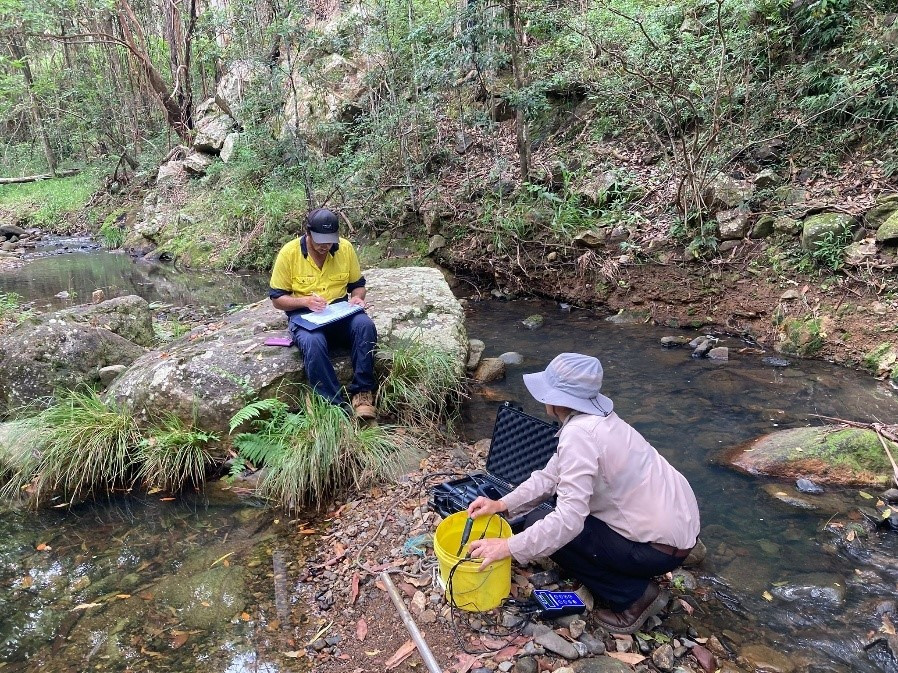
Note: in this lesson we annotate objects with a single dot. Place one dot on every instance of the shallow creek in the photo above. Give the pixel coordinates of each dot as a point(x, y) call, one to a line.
point(774, 574)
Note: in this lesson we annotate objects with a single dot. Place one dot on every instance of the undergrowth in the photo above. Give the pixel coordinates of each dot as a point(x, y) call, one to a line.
point(174, 455)
point(47, 203)
point(313, 451)
point(423, 386)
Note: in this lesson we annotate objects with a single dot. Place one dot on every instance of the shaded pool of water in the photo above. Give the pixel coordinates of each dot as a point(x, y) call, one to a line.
point(65, 266)
point(691, 409)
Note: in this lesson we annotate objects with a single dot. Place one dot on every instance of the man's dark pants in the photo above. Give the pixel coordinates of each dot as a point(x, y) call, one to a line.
point(356, 332)
point(612, 567)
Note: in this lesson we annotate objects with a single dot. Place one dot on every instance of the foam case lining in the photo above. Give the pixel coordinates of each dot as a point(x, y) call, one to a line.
point(520, 444)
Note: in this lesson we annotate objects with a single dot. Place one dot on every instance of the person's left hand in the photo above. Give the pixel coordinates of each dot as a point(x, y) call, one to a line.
point(489, 549)
point(358, 301)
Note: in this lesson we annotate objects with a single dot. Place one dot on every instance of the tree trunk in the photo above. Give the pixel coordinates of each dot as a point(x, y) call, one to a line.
point(523, 135)
point(18, 53)
point(174, 114)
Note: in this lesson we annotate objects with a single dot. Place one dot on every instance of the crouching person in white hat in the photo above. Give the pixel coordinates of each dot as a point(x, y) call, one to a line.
point(623, 514)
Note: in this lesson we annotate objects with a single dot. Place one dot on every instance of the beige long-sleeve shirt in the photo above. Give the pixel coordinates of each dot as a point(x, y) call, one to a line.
point(604, 468)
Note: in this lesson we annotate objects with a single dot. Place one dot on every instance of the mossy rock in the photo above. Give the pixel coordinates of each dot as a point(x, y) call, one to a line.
point(817, 227)
point(888, 232)
point(885, 207)
point(826, 455)
point(802, 337)
point(881, 360)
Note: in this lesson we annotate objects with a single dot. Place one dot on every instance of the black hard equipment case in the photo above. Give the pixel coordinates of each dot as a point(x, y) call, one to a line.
point(520, 445)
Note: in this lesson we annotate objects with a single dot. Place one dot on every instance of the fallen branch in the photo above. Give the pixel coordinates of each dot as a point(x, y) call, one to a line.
point(880, 431)
point(36, 178)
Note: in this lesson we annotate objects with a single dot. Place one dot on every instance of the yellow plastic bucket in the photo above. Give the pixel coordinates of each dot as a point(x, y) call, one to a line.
point(466, 586)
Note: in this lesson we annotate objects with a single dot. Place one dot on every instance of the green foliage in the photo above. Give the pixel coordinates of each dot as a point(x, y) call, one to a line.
point(173, 454)
point(112, 232)
point(11, 310)
point(829, 252)
point(422, 388)
point(48, 203)
point(75, 445)
point(315, 451)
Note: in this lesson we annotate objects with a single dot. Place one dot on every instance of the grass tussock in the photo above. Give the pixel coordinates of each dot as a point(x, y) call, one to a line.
point(71, 447)
point(82, 445)
point(314, 451)
point(423, 387)
point(174, 455)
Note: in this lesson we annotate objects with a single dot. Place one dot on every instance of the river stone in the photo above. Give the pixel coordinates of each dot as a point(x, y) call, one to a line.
point(719, 353)
point(475, 352)
point(533, 322)
point(555, 643)
point(763, 227)
point(732, 224)
point(762, 658)
point(489, 370)
point(211, 372)
point(663, 657)
point(205, 600)
point(674, 341)
point(786, 225)
point(807, 486)
point(512, 358)
point(600, 665)
point(778, 492)
point(816, 227)
point(10, 230)
point(38, 360)
point(129, 317)
point(888, 232)
point(828, 455)
point(813, 589)
point(630, 317)
point(890, 495)
point(526, 665)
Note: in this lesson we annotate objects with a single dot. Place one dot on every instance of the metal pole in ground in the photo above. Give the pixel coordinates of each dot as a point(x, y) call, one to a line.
point(429, 660)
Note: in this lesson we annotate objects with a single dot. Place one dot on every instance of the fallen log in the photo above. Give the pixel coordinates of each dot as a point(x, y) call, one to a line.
point(34, 178)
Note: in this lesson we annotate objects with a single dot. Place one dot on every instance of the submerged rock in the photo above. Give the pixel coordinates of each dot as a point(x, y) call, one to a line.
point(813, 589)
point(830, 455)
point(807, 486)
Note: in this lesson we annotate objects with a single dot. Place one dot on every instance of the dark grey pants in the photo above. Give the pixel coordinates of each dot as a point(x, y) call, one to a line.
point(612, 567)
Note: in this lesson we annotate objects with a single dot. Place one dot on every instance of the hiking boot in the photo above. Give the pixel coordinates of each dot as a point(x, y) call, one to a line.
point(630, 620)
point(363, 405)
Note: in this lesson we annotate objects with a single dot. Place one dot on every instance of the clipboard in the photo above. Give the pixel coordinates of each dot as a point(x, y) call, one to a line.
point(316, 319)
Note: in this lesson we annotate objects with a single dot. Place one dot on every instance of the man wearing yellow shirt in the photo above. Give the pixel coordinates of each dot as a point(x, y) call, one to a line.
point(310, 272)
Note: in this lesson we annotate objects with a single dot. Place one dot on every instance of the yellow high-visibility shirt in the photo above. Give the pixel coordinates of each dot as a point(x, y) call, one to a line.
point(296, 273)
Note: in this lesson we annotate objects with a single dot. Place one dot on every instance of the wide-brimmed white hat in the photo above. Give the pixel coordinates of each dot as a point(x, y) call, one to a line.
point(571, 380)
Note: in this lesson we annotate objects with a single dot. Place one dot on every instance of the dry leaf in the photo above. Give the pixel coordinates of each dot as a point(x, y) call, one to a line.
point(27, 581)
point(851, 535)
point(887, 626)
point(339, 549)
point(687, 606)
point(165, 499)
point(627, 657)
point(404, 652)
point(85, 606)
point(361, 629)
point(294, 654)
point(43, 546)
point(180, 637)
point(465, 662)
point(123, 596)
point(767, 596)
point(865, 495)
point(244, 616)
point(354, 588)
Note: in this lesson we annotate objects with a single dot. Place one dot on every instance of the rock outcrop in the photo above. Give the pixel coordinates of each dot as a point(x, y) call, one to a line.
point(209, 374)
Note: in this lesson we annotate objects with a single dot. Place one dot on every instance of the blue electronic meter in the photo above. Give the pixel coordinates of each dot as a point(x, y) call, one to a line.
point(558, 603)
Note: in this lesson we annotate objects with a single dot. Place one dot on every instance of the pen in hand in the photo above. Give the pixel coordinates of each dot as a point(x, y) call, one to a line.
point(317, 303)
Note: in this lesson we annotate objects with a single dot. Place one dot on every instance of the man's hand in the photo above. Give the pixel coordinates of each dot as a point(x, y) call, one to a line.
point(315, 303)
point(483, 506)
point(357, 301)
point(489, 549)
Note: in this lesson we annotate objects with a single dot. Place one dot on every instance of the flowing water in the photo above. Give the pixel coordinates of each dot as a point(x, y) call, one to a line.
point(774, 574)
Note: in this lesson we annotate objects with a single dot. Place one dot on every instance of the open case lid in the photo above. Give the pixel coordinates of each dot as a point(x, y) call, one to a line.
point(521, 444)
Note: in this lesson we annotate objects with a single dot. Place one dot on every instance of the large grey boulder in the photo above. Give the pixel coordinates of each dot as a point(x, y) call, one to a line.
point(129, 317)
point(884, 207)
point(36, 360)
point(211, 373)
point(211, 131)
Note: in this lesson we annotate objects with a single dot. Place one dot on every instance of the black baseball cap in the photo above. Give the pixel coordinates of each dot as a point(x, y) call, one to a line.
point(323, 225)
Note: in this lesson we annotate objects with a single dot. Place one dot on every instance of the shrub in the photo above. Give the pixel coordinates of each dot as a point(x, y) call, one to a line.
point(314, 451)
